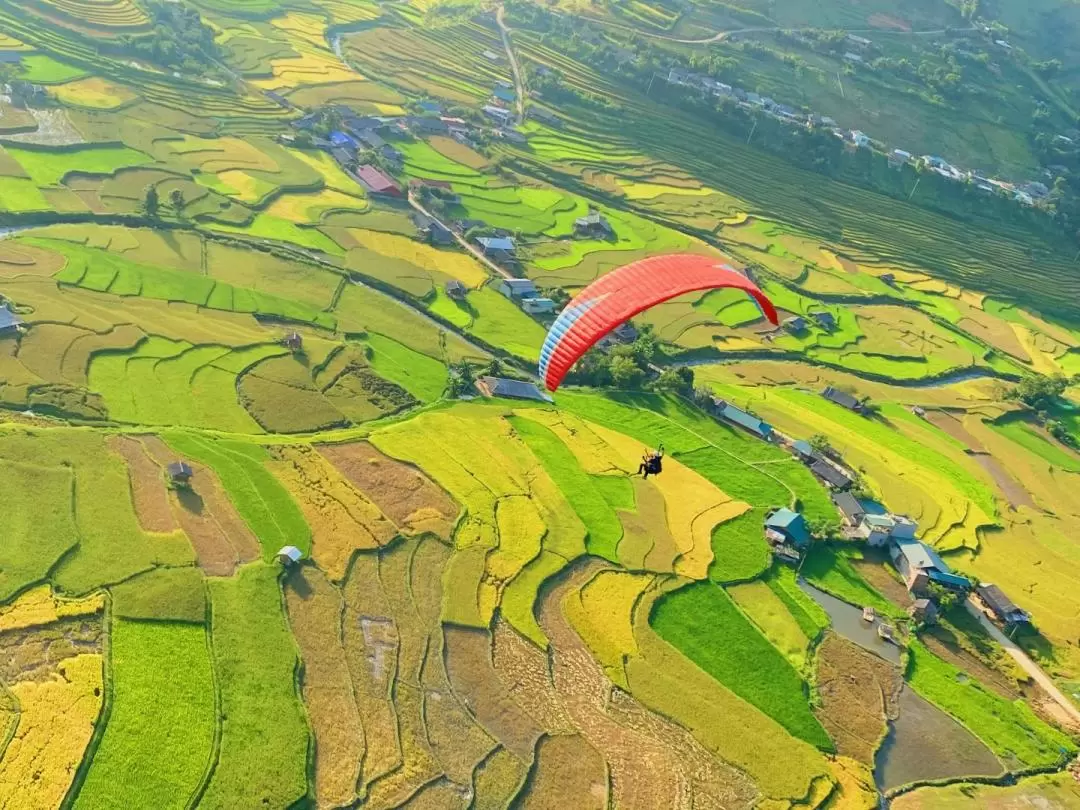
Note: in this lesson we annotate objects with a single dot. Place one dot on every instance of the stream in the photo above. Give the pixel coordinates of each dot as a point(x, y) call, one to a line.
point(923, 742)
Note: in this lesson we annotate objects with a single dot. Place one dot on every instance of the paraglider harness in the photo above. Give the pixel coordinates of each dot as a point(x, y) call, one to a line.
point(652, 463)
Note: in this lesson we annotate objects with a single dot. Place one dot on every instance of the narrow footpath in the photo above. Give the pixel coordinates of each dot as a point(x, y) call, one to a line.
point(1025, 662)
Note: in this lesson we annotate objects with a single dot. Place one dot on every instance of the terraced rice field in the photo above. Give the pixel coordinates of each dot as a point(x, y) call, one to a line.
point(490, 607)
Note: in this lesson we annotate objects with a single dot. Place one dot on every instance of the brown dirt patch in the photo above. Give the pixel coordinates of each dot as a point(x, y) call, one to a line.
point(475, 681)
point(371, 648)
point(568, 773)
point(315, 610)
point(220, 537)
point(148, 490)
point(635, 743)
point(342, 520)
point(996, 333)
point(859, 691)
point(888, 21)
point(402, 492)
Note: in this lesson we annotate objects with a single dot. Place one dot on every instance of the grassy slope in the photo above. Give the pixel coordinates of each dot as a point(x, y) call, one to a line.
point(703, 622)
point(264, 736)
point(160, 734)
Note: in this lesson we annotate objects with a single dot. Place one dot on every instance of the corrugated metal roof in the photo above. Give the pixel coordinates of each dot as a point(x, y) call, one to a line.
point(8, 319)
point(746, 420)
point(513, 389)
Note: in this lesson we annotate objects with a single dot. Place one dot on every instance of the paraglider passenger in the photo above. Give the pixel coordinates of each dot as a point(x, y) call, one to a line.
point(651, 463)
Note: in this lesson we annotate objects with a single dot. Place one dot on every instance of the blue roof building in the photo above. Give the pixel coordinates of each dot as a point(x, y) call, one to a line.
point(9, 321)
point(791, 525)
point(503, 243)
point(920, 565)
point(745, 420)
point(503, 94)
point(342, 139)
point(803, 448)
point(430, 107)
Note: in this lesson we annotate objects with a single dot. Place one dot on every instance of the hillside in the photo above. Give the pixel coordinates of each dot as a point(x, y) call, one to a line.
point(288, 524)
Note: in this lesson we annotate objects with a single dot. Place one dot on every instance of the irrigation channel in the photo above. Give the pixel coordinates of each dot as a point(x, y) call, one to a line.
point(923, 742)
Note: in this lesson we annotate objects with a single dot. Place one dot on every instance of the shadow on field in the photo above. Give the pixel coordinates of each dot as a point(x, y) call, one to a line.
point(190, 500)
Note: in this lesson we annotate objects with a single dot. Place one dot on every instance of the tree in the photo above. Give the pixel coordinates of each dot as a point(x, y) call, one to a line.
point(176, 200)
point(678, 380)
point(625, 373)
point(462, 379)
point(1038, 391)
point(946, 599)
point(152, 202)
point(820, 443)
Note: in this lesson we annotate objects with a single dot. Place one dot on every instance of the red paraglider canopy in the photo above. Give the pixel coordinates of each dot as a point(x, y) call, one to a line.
point(621, 294)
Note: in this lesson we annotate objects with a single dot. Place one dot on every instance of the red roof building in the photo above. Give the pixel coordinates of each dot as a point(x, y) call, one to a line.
point(377, 181)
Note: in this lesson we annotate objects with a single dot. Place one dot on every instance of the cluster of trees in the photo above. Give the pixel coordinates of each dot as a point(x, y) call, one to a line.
point(1043, 395)
point(151, 205)
point(631, 367)
point(179, 40)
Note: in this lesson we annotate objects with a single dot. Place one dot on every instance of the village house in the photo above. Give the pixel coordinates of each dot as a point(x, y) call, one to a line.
point(517, 289)
point(924, 610)
point(747, 421)
point(289, 556)
point(625, 332)
point(510, 389)
point(377, 181)
point(920, 566)
point(826, 320)
point(850, 508)
point(1002, 607)
point(860, 139)
point(370, 138)
point(879, 530)
point(786, 526)
point(430, 107)
point(9, 322)
point(804, 450)
point(491, 56)
point(456, 290)
point(500, 115)
point(831, 476)
point(504, 94)
point(593, 225)
point(425, 125)
point(537, 306)
point(293, 341)
point(843, 399)
point(512, 135)
point(795, 324)
point(179, 473)
point(497, 248)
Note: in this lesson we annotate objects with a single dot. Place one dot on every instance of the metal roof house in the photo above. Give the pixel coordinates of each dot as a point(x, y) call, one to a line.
point(795, 324)
point(376, 181)
point(180, 472)
point(1001, 606)
point(830, 475)
point(455, 289)
point(289, 555)
point(496, 244)
point(791, 525)
point(9, 321)
point(510, 389)
point(849, 507)
point(803, 449)
point(920, 565)
point(747, 421)
point(843, 399)
point(517, 288)
point(537, 305)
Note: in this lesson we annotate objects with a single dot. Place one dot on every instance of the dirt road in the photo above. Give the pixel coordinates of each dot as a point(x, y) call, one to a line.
point(519, 84)
point(1026, 664)
point(461, 240)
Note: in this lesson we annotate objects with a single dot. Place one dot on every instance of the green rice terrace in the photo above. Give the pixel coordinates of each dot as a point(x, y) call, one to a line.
point(290, 522)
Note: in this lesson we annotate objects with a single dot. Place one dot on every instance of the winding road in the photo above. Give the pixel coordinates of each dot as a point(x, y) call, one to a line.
point(1025, 663)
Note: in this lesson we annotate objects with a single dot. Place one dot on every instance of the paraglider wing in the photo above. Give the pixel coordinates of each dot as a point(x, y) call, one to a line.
point(621, 294)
